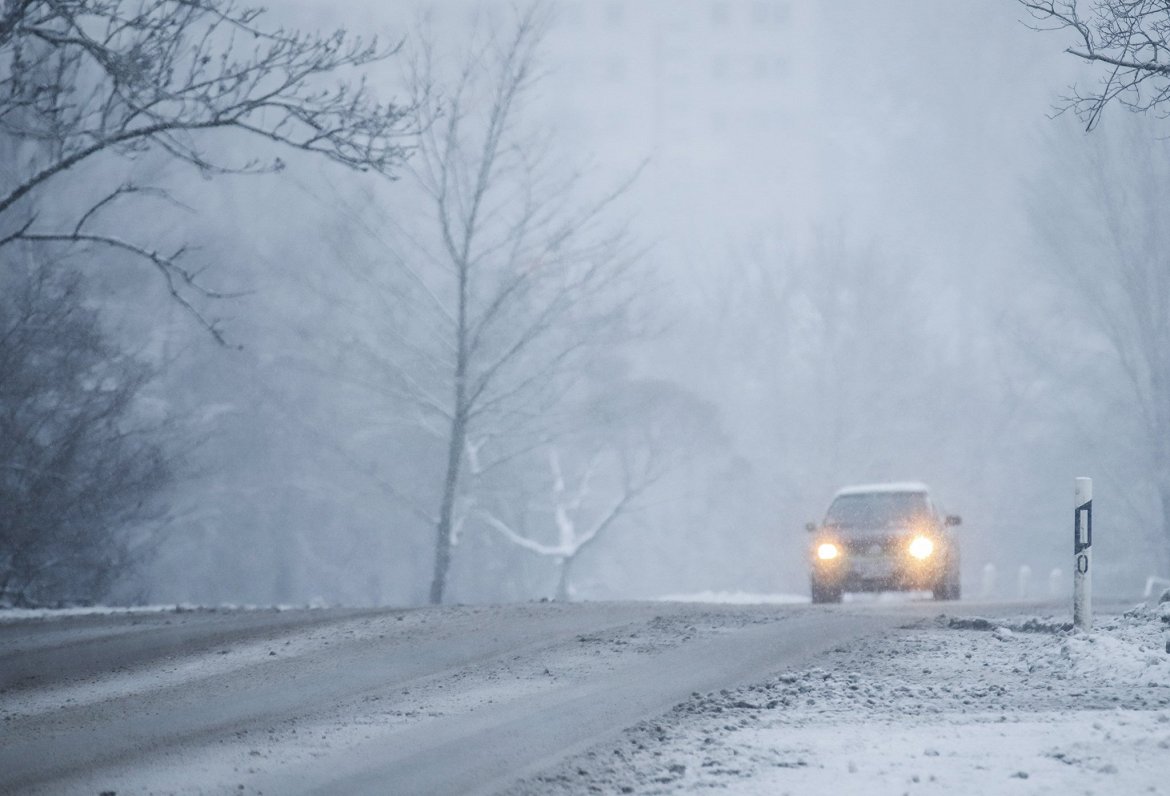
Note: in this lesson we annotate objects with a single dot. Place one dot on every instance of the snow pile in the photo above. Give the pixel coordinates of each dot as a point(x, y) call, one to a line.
point(19, 614)
point(22, 614)
point(949, 705)
point(1120, 650)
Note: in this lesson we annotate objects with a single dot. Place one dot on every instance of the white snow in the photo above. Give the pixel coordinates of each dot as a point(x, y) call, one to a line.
point(1075, 752)
point(22, 614)
point(18, 614)
point(956, 706)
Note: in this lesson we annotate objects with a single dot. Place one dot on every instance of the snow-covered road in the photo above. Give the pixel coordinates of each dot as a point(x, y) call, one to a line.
point(320, 700)
point(572, 698)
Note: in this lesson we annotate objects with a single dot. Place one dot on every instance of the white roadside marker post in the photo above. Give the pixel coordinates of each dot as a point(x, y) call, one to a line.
point(1082, 554)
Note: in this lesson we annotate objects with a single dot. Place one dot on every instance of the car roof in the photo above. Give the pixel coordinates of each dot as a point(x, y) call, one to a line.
point(899, 486)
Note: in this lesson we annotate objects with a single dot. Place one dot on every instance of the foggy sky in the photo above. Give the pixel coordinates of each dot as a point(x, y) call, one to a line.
point(909, 130)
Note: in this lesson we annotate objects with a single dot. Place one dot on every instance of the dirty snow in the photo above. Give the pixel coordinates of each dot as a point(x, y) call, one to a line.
point(947, 705)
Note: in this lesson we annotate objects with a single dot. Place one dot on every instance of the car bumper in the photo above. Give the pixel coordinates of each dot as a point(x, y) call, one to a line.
point(878, 575)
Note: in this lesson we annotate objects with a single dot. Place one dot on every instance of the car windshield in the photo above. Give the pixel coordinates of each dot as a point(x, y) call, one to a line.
point(877, 509)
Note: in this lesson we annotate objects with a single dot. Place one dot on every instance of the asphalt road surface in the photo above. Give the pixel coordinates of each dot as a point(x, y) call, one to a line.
point(466, 699)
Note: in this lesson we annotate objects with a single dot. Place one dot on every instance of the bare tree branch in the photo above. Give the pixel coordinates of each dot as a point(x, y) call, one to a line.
point(112, 79)
point(173, 274)
point(1130, 37)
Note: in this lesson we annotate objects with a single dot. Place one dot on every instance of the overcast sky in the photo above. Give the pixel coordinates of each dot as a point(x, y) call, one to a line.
point(911, 120)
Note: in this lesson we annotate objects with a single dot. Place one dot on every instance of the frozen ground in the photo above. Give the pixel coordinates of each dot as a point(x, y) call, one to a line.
point(870, 697)
point(946, 705)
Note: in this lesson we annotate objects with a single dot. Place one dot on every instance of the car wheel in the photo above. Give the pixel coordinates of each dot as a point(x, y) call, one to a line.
point(824, 594)
point(947, 589)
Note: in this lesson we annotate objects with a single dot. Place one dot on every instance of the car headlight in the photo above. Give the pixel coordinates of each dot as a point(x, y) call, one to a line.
point(921, 547)
point(828, 551)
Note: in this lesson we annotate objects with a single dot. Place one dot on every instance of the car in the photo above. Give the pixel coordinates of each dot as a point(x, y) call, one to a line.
point(884, 537)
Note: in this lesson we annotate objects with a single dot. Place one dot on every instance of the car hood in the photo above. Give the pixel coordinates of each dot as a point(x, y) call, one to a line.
point(883, 532)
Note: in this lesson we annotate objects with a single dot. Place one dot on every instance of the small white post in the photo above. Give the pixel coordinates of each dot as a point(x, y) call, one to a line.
point(1082, 554)
point(1054, 579)
point(989, 578)
point(1024, 582)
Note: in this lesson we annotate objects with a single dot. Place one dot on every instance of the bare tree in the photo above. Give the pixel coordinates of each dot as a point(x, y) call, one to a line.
point(496, 284)
point(78, 469)
point(84, 82)
point(1127, 39)
point(1101, 217)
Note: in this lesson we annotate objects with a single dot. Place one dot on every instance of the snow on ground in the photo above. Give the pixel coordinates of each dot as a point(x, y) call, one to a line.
point(735, 598)
point(20, 614)
point(24, 614)
point(948, 705)
point(771, 598)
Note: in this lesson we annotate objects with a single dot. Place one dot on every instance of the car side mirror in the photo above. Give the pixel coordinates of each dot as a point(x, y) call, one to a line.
point(810, 526)
point(954, 519)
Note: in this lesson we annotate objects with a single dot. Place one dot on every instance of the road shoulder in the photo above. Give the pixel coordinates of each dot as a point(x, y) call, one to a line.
point(946, 705)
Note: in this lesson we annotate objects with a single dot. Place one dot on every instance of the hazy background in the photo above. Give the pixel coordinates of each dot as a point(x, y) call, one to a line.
point(847, 209)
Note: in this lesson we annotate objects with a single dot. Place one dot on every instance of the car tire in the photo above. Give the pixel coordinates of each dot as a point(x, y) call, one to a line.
point(824, 594)
point(947, 586)
point(947, 589)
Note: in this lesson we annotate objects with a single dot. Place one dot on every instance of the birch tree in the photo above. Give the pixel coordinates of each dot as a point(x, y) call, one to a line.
point(628, 441)
point(575, 531)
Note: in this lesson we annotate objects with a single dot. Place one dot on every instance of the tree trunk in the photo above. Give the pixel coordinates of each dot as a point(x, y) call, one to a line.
point(457, 441)
point(447, 508)
point(563, 583)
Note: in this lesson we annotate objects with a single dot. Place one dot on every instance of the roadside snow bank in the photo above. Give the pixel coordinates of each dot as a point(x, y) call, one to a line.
point(969, 706)
point(20, 614)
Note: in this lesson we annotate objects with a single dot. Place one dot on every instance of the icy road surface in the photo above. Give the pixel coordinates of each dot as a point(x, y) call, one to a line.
point(582, 698)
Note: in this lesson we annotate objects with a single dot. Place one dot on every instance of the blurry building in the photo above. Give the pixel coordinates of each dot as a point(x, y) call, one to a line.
point(717, 97)
point(718, 94)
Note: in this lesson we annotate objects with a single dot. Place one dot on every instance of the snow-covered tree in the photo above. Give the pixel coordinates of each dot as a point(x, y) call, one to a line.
point(575, 531)
point(604, 473)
